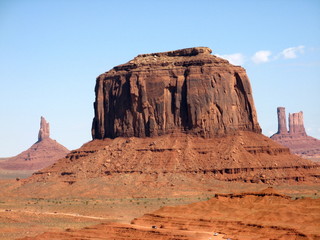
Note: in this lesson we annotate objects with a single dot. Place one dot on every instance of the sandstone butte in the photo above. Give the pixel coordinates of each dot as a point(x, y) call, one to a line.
point(171, 123)
point(187, 90)
point(296, 139)
point(43, 153)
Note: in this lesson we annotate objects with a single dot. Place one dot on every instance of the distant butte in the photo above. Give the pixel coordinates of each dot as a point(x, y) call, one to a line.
point(296, 139)
point(41, 154)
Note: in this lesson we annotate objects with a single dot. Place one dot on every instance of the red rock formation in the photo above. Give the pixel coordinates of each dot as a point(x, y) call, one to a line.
point(256, 215)
point(41, 154)
point(44, 131)
point(296, 139)
point(180, 100)
point(282, 123)
point(187, 90)
point(296, 125)
point(160, 162)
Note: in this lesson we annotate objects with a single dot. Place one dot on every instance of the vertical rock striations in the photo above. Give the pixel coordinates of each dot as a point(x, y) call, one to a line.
point(282, 123)
point(44, 131)
point(158, 117)
point(187, 90)
point(296, 125)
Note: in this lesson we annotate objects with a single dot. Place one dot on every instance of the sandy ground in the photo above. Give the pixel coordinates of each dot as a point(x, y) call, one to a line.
point(29, 216)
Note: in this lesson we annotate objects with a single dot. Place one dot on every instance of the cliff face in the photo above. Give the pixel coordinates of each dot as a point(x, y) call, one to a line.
point(156, 118)
point(187, 90)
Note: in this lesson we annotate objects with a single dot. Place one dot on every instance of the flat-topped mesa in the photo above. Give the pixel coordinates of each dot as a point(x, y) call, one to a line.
point(181, 52)
point(44, 131)
point(187, 90)
point(183, 57)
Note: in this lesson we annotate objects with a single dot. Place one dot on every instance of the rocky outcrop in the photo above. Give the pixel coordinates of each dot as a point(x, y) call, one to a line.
point(282, 122)
point(296, 125)
point(157, 118)
point(250, 216)
point(173, 160)
point(296, 139)
point(44, 131)
point(187, 90)
point(43, 153)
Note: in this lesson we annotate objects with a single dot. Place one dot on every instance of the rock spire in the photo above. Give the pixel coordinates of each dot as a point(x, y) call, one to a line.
point(43, 153)
point(296, 125)
point(296, 139)
point(282, 123)
point(44, 131)
point(187, 90)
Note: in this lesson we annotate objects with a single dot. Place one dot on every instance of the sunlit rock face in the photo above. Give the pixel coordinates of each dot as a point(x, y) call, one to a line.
point(296, 139)
point(187, 90)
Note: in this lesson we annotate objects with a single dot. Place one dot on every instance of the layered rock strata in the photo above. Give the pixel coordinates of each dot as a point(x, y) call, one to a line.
point(249, 216)
point(176, 120)
point(177, 163)
point(296, 139)
point(187, 90)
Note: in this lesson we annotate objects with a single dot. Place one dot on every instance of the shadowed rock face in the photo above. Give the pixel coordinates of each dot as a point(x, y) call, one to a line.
point(187, 90)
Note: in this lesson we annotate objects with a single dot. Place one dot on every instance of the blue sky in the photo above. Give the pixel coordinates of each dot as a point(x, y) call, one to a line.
point(51, 52)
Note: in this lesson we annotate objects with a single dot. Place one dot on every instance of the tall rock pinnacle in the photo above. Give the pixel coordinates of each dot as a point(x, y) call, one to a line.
point(296, 139)
point(44, 131)
point(282, 123)
point(187, 90)
point(296, 125)
point(43, 153)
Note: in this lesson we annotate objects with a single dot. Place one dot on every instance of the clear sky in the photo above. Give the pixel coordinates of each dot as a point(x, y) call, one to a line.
point(51, 52)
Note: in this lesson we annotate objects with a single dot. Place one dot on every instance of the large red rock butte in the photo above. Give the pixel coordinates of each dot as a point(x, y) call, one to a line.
point(41, 154)
point(296, 139)
point(187, 90)
point(174, 121)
